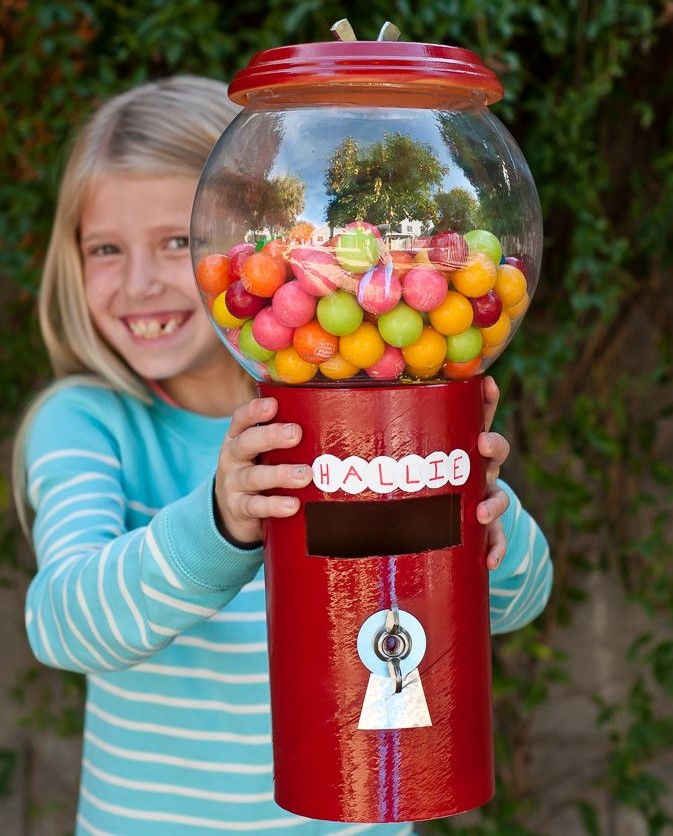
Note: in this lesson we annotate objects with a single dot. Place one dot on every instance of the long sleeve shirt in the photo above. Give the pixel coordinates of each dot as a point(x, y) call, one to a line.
point(137, 589)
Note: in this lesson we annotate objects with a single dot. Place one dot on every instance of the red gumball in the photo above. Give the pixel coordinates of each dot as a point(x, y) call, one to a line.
point(487, 309)
point(240, 303)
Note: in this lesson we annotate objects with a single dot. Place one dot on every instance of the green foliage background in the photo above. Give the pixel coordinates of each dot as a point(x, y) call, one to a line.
point(587, 394)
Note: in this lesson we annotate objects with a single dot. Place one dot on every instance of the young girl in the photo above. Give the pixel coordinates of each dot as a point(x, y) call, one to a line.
point(147, 540)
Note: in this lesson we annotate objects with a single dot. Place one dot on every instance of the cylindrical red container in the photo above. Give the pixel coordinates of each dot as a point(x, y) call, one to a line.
point(366, 236)
point(369, 538)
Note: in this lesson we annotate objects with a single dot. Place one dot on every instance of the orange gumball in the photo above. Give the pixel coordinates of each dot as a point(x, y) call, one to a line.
point(212, 273)
point(520, 308)
point(364, 347)
point(498, 332)
point(428, 352)
point(476, 278)
point(462, 371)
point(338, 368)
point(453, 316)
point(313, 344)
point(262, 275)
point(291, 368)
point(280, 250)
point(424, 373)
point(510, 285)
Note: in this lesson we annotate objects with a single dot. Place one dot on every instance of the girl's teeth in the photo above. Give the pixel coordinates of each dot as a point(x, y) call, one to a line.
point(151, 329)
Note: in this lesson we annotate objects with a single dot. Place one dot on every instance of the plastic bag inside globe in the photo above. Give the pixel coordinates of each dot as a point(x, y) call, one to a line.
point(359, 224)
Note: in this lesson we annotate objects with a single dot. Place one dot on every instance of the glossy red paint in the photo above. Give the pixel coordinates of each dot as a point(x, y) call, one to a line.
point(325, 767)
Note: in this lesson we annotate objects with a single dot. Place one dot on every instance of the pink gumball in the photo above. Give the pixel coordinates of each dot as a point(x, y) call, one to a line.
point(317, 270)
point(424, 289)
point(378, 294)
point(269, 332)
point(390, 366)
point(292, 305)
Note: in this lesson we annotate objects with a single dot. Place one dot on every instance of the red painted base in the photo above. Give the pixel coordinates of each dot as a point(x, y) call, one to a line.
point(327, 574)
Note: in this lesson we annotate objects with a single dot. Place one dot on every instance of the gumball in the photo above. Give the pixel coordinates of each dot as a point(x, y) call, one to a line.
point(357, 250)
point(269, 332)
point(477, 277)
point(271, 369)
point(262, 274)
point(448, 249)
point(492, 350)
point(317, 270)
point(510, 284)
point(424, 289)
point(428, 352)
point(453, 316)
point(400, 327)
point(460, 348)
point(280, 250)
point(212, 273)
point(241, 303)
point(233, 336)
point(389, 367)
point(366, 227)
point(423, 373)
point(313, 344)
point(292, 305)
point(422, 257)
point(485, 242)
point(291, 368)
point(487, 309)
point(519, 309)
point(223, 316)
point(377, 293)
point(337, 368)
point(462, 371)
point(522, 262)
point(237, 255)
point(364, 347)
point(249, 345)
point(498, 332)
point(402, 262)
point(339, 313)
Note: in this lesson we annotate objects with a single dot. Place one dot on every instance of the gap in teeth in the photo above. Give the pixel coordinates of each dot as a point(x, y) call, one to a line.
point(152, 328)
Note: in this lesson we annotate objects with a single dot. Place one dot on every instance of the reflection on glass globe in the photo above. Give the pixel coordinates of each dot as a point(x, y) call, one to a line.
point(346, 243)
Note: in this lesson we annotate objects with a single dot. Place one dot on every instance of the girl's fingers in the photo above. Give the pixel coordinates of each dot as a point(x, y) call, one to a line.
point(493, 507)
point(257, 506)
point(256, 411)
point(254, 440)
point(490, 394)
point(494, 447)
point(268, 477)
point(497, 545)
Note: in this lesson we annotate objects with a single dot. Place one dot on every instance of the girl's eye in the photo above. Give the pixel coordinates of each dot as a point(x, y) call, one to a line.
point(178, 242)
point(103, 249)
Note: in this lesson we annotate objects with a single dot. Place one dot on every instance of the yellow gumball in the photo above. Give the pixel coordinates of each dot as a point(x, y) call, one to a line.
point(290, 367)
point(476, 278)
point(453, 316)
point(428, 352)
point(221, 313)
point(498, 332)
point(520, 308)
point(337, 368)
point(423, 374)
point(364, 347)
point(492, 350)
point(510, 285)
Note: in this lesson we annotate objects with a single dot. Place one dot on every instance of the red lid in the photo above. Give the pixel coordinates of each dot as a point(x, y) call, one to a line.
point(336, 62)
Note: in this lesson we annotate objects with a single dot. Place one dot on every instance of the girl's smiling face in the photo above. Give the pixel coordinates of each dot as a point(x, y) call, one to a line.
point(139, 284)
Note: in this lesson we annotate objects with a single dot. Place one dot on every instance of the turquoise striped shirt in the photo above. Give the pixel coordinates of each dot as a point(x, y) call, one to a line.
point(137, 589)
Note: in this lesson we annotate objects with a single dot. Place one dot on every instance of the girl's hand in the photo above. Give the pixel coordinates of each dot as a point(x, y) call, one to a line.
point(239, 479)
point(495, 449)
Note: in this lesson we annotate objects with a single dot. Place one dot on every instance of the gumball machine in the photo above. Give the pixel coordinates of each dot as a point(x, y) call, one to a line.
point(367, 238)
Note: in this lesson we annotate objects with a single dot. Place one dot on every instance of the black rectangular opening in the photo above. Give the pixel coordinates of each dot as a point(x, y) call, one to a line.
point(377, 528)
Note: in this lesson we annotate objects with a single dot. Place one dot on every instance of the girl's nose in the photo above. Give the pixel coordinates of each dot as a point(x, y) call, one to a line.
point(143, 277)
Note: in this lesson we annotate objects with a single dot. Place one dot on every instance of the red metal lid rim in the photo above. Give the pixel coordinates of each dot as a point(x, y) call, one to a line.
point(385, 61)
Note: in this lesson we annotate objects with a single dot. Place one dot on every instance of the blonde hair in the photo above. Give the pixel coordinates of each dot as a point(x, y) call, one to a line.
point(166, 127)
